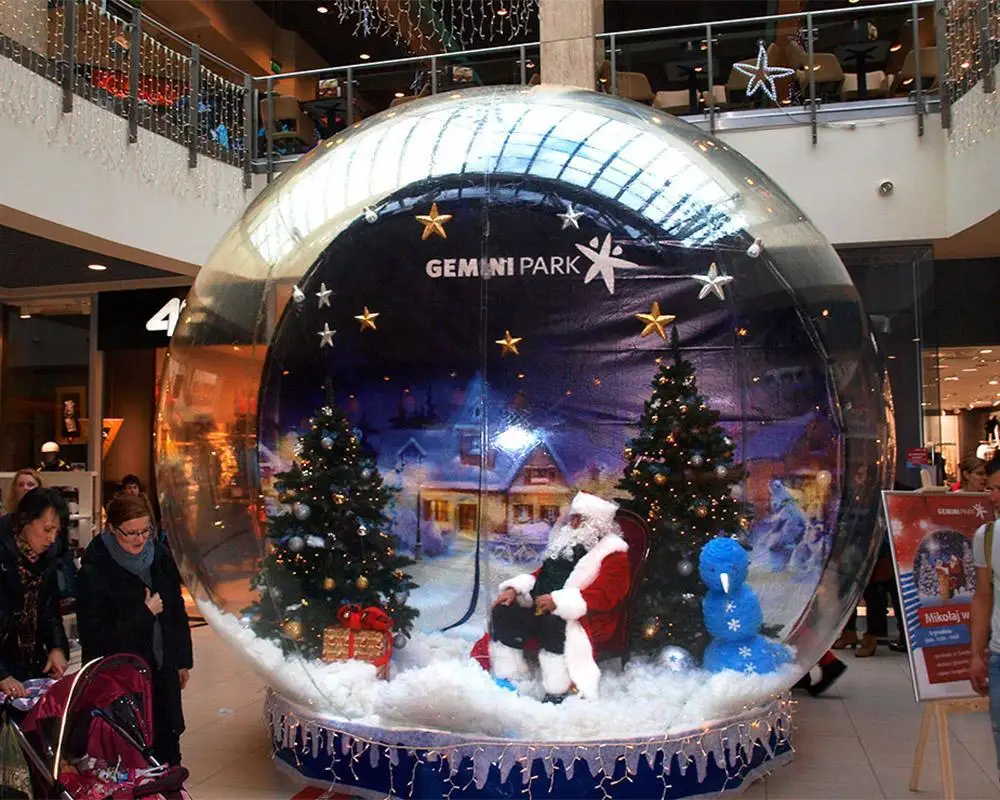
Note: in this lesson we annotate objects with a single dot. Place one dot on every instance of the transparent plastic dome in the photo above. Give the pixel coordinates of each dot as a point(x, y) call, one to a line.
point(552, 217)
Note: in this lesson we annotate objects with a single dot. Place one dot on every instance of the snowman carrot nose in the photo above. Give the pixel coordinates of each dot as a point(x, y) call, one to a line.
point(724, 580)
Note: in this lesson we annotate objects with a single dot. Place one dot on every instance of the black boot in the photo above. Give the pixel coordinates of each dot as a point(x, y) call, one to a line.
point(832, 670)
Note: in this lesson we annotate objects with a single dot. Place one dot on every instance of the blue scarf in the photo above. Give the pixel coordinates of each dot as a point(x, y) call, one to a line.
point(140, 565)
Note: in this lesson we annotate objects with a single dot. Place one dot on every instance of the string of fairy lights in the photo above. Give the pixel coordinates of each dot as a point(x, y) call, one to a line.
point(970, 55)
point(455, 23)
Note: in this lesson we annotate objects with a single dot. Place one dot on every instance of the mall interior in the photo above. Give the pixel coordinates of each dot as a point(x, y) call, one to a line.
point(140, 134)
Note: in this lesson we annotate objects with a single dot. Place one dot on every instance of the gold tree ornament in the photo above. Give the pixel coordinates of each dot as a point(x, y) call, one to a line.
point(508, 344)
point(329, 584)
point(367, 319)
point(433, 223)
point(361, 582)
point(655, 322)
point(292, 628)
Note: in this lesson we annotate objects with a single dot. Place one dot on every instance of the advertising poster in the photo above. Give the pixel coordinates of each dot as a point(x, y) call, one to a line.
point(931, 539)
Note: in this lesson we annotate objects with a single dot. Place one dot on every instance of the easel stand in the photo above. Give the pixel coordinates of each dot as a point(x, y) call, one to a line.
point(936, 714)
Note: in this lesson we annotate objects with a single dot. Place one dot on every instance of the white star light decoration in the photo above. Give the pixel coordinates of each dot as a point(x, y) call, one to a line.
point(570, 218)
point(713, 282)
point(326, 336)
point(762, 75)
point(324, 295)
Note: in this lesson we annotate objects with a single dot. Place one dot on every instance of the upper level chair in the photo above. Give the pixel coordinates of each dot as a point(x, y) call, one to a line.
point(630, 85)
point(904, 81)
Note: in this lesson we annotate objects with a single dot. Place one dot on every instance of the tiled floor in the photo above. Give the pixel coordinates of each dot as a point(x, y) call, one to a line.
point(857, 742)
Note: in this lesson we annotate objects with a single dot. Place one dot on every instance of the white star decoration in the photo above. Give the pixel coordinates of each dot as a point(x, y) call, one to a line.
point(570, 218)
point(326, 336)
point(762, 75)
point(745, 652)
point(730, 607)
point(324, 295)
point(712, 282)
point(733, 624)
point(604, 261)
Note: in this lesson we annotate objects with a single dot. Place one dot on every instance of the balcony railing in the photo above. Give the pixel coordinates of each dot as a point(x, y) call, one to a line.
point(137, 69)
point(861, 60)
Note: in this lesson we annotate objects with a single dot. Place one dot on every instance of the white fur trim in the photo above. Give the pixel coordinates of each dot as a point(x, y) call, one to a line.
point(583, 670)
point(522, 584)
point(586, 569)
point(569, 603)
point(593, 507)
point(506, 662)
point(555, 676)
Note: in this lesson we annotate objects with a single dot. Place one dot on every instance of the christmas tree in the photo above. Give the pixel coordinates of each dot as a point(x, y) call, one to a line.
point(329, 546)
point(679, 474)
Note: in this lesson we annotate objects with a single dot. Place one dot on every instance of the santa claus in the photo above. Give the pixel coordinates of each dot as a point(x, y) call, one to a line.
point(568, 606)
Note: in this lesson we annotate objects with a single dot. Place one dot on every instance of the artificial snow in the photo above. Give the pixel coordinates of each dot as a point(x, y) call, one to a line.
point(436, 685)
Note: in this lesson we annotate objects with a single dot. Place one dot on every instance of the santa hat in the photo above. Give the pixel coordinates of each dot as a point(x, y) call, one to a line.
point(593, 507)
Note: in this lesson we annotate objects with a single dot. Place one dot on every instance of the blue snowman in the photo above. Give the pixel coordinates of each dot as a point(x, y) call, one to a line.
point(732, 614)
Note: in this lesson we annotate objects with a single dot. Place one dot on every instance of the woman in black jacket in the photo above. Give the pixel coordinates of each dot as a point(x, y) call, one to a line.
point(32, 638)
point(129, 601)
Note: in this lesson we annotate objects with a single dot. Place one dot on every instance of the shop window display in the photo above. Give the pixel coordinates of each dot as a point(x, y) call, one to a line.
point(572, 288)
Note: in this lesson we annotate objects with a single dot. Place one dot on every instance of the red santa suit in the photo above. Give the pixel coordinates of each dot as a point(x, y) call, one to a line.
point(589, 602)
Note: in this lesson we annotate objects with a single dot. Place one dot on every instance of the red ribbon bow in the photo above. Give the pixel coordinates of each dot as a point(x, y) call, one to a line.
point(372, 618)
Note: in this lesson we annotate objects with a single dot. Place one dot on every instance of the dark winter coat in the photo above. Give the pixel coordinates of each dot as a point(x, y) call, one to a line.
point(111, 612)
point(51, 633)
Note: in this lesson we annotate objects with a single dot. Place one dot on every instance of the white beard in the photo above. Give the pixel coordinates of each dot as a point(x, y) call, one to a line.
point(564, 538)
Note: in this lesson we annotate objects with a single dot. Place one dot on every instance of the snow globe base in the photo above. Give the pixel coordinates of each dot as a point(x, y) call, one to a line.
point(721, 757)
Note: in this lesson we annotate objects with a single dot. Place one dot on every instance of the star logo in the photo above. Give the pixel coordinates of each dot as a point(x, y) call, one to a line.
point(433, 223)
point(324, 295)
point(367, 319)
point(762, 75)
point(326, 336)
point(655, 322)
point(508, 344)
point(733, 624)
point(712, 282)
point(980, 511)
point(570, 218)
point(604, 261)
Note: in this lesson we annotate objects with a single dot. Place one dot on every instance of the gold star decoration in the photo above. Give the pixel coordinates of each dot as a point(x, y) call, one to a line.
point(433, 223)
point(508, 344)
point(367, 319)
point(655, 321)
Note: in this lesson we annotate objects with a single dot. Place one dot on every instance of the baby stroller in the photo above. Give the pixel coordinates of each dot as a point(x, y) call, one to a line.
point(89, 736)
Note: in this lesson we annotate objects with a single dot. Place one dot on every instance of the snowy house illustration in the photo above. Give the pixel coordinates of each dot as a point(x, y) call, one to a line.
point(796, 451)
point(445, 470)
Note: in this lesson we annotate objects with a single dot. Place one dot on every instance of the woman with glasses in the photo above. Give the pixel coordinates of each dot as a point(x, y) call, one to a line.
point(32, 638)
point(129, 601)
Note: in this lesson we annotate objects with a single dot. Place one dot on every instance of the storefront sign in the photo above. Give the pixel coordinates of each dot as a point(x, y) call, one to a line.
point(931, 539)
point(138, 320)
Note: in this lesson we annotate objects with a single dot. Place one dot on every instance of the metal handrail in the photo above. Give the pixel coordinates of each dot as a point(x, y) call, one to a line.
point(394, 62)
point(827, 12)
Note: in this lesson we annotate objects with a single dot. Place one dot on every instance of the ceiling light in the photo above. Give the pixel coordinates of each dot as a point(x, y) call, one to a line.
point(364, 56)
point(994, 382)
point(529, 64)
point(896, 47)
point(853, 2)
point(502, 12)
point(988, 350)
point(969, 369)
point(25, 315)
point(399, 94)
point(952, 378)
point(96, 267)
point(322, 10)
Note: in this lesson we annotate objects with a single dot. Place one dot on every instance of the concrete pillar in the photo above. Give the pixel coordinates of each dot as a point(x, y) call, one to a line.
point(570, 55)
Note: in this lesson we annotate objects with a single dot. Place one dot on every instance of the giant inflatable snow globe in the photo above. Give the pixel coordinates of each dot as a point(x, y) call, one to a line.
point(525, 439)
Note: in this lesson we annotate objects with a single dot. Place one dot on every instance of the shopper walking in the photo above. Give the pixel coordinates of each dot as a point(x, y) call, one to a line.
point(32, 638)
point(129, 601)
